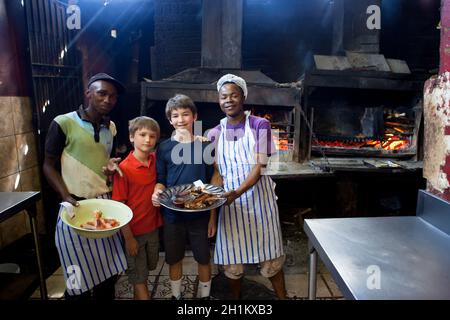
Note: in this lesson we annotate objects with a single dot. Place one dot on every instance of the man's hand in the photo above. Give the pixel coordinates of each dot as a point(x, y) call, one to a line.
point(132, 246)
point(70, 200)
point(112, 167)
point(155, 197)
point(231, 196)
point(249, 182)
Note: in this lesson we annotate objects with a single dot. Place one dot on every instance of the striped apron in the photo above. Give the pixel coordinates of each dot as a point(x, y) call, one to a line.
point(248, 229)
point(87, 262)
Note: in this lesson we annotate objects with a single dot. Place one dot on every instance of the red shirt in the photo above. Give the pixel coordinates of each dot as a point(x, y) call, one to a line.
point(135, 189)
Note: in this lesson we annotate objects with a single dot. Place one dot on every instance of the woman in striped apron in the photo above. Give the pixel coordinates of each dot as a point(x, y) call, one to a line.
point(80, 142)
point(248, 225)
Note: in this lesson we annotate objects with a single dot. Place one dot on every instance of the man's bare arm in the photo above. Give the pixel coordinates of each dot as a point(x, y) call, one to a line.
point(252, 179)
point(216, 178)
point(55, 180)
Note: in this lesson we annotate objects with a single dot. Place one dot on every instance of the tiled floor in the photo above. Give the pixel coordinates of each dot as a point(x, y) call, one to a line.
point(254, 285)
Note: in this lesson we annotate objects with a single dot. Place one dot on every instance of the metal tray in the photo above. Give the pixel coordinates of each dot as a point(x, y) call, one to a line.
point(165, 198)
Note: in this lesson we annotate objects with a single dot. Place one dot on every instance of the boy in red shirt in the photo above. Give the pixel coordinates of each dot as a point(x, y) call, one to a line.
point(135, 188)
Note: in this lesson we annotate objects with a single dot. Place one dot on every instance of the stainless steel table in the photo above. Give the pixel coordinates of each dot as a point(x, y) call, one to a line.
point(12, 203)
point(386, 257)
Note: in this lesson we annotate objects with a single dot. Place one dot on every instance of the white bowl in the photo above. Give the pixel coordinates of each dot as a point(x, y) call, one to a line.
point(84, 212)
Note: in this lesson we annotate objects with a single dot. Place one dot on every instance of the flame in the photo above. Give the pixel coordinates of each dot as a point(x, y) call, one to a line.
point(399, 137)
point(266, 116)
point(281, 144)
point(395, 145)
point(373, 142)
point(394, 142)
point(391, 142)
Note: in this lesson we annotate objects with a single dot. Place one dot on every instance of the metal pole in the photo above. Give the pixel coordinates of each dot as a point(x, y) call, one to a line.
point(32, 212)
point(312, 278)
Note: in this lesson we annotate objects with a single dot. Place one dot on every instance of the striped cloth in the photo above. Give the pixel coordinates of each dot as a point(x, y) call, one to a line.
point(88, 262)
point(249, 229)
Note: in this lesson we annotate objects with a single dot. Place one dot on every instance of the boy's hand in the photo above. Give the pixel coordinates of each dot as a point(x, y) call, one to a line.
point(132, 246)
point(112, 167)
point(212, 224)
point(212, 228)
point(155, 197)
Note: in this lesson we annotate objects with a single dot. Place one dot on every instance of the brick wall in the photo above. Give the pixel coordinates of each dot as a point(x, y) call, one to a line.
point(408, 32)
point(280, 37)
point(178, 26)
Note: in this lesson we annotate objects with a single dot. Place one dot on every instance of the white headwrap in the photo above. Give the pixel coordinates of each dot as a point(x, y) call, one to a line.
point(233, 79)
